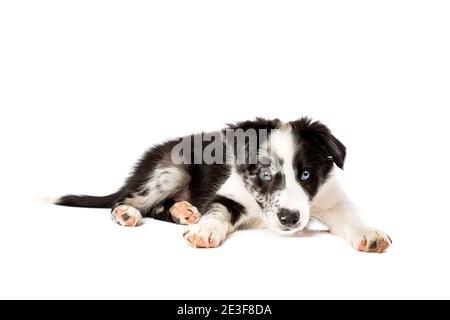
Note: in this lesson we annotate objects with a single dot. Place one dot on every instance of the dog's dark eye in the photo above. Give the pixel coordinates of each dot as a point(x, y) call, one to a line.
point(306, 175)
point(265, 175)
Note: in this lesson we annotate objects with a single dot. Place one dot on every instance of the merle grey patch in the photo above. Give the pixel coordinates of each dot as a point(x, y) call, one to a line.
point(143, 193)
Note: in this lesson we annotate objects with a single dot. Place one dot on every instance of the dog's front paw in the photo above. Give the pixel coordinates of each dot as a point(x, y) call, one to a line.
point(374, 241)
point(206, 234)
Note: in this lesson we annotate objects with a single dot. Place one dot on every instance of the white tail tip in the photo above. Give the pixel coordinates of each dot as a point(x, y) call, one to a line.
point(48, 199)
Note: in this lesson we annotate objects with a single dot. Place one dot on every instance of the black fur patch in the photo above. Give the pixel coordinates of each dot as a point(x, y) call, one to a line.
point(318, 150)
point(89, 201)
point(318, 136)
point(235, 209)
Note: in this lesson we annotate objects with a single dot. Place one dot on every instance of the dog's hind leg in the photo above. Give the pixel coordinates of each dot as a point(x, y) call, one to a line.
point(154, 198)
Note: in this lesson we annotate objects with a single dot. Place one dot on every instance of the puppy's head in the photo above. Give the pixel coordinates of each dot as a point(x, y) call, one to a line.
point(293, 164)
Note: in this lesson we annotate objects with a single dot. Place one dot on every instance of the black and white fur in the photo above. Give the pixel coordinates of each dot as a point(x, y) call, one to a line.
point(229, 196)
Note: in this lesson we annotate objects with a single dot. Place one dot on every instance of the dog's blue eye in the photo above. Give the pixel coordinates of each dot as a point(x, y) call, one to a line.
point(265, 175)
point(306, 175)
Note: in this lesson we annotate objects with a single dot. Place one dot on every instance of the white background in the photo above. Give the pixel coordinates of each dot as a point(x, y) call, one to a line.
point(87, 86)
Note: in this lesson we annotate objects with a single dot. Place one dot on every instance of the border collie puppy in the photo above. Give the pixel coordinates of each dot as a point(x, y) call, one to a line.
point(266, 171)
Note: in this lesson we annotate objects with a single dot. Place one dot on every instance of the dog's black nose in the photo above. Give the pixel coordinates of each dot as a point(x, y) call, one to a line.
point(288, 218)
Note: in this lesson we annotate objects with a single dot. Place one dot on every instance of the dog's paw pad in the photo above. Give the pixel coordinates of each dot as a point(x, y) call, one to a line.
point(185, 213)
point(204, 235)
point(372, 242)
point(126, 216)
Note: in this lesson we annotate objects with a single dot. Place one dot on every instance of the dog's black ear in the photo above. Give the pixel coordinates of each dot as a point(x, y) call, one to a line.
point(319, 134)
point(336, 149)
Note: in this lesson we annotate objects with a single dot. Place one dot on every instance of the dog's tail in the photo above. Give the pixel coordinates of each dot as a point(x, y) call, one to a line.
point(84, 201)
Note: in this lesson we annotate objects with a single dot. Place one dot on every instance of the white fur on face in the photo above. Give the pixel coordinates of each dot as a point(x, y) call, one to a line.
point(292, 197)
